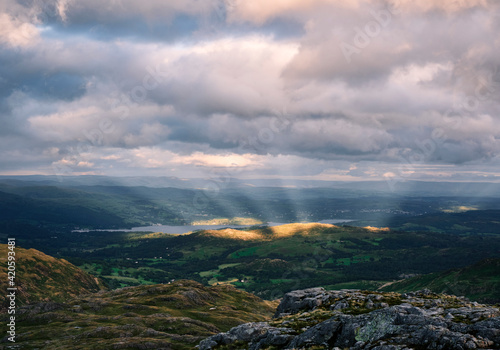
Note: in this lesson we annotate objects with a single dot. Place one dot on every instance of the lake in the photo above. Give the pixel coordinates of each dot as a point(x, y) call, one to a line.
point(190, 228)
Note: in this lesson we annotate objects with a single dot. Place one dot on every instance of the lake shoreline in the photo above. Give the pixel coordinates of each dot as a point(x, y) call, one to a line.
point(190, 228)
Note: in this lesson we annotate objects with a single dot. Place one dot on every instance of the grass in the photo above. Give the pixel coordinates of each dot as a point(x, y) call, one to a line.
point(215, 272)
point(223, 266)
point(344, 261)
point(281, 280)
point(208, 273)
point(41, 277)
point(244, 253)
point(364, 285)
point(175, 316)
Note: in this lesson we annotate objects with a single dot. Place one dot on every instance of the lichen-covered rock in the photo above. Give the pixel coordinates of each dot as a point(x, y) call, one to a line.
point(316, 318)
point(305, 299)
point(320, 334)
point(258, 335)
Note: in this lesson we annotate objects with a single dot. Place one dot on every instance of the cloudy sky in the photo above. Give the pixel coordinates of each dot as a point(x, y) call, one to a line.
point(310, 89)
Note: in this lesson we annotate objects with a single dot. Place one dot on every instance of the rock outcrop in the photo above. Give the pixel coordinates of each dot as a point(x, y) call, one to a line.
point(320, 319)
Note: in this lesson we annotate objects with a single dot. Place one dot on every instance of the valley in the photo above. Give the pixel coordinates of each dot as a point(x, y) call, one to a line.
point(417, 234)
point(195, 267)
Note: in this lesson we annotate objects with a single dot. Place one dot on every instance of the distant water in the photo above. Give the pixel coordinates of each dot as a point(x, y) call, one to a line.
point(189, 228)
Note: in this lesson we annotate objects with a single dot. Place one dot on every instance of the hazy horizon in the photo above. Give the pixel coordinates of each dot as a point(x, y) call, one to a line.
point(290, 178)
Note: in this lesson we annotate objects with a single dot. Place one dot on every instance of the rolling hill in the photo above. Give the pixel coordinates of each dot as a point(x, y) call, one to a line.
point(59, 306)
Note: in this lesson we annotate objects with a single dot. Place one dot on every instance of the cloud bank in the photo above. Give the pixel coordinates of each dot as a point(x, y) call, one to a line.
point(326, 89)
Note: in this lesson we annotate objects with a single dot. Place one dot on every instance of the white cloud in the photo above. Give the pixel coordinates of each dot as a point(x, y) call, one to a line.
point(16, 33)
point(218, 160)
point(260, 11)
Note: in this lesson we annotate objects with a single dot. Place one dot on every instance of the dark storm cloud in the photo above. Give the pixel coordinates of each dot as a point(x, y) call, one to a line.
point(56, 85)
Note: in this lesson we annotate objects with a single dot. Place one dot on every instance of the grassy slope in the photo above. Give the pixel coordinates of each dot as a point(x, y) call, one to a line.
point(167, 316)
point(480, 282)
point(40, 277)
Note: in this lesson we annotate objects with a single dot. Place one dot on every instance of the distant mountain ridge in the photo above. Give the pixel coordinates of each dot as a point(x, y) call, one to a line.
point(68, 210)
point(468, 222)
point(114, 203)
point(474, 189)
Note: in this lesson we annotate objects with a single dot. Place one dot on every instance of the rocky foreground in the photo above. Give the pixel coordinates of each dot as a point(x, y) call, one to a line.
point(350, 319)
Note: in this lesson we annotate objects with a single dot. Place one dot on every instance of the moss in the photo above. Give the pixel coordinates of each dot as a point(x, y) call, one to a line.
point(356, 311)
point(238, 345)
point(393, 299)
point(461, 319)
point(304, 320)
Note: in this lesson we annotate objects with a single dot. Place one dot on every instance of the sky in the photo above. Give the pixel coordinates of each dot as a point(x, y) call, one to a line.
point(346, 90)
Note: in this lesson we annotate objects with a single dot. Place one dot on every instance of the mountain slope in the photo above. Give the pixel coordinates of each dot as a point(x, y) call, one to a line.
point(40, 277)
point(167, 316)
point(480, 282)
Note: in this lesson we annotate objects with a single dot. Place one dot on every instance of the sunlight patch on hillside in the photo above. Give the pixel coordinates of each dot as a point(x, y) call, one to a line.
point(267, 233)
point(377, 229)
point(233, 234)
point(459, 209)
point(297, 228)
